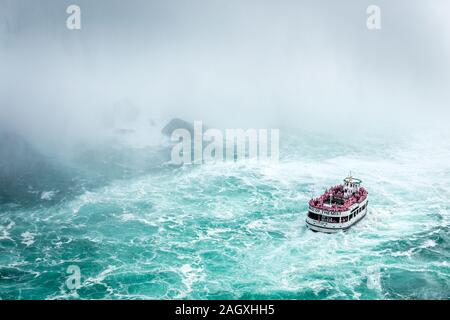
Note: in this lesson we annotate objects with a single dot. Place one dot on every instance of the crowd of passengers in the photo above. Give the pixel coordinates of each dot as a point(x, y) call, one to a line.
point(337, 192)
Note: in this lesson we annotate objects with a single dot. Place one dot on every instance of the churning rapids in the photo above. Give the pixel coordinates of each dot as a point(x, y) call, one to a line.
point(138, 227)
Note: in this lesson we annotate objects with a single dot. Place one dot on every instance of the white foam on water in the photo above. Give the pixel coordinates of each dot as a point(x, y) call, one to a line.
point(133, 217)
point(48, 195)
point(429, 244)
point(5, 230)
point(100, 279)
point(374, 278)
point(28, 238)
point(190, 275)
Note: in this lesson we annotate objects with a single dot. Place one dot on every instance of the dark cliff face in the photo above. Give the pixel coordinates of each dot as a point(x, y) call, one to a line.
point(17, 156)
point(25, 174)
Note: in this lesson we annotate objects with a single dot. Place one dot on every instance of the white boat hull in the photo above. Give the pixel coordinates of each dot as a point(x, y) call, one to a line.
point(333, 227)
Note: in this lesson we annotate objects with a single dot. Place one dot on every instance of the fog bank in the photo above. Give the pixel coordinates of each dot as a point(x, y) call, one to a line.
point(306, 65)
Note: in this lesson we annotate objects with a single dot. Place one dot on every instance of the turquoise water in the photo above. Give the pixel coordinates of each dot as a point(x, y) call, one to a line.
point(236, 230)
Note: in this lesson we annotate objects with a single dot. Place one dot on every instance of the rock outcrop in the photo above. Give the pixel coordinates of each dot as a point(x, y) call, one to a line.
point(177, 123)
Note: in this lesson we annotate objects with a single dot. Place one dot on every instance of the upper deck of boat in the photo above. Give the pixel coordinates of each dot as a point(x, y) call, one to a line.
point(335, 200)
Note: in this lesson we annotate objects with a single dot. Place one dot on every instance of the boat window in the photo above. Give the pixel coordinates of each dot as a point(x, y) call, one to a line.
point(313, 215)
point(330, 219)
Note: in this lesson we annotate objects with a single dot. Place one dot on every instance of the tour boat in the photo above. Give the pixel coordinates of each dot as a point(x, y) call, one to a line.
point(339, 208)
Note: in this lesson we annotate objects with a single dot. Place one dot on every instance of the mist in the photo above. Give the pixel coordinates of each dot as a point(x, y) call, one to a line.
point(305, 65)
